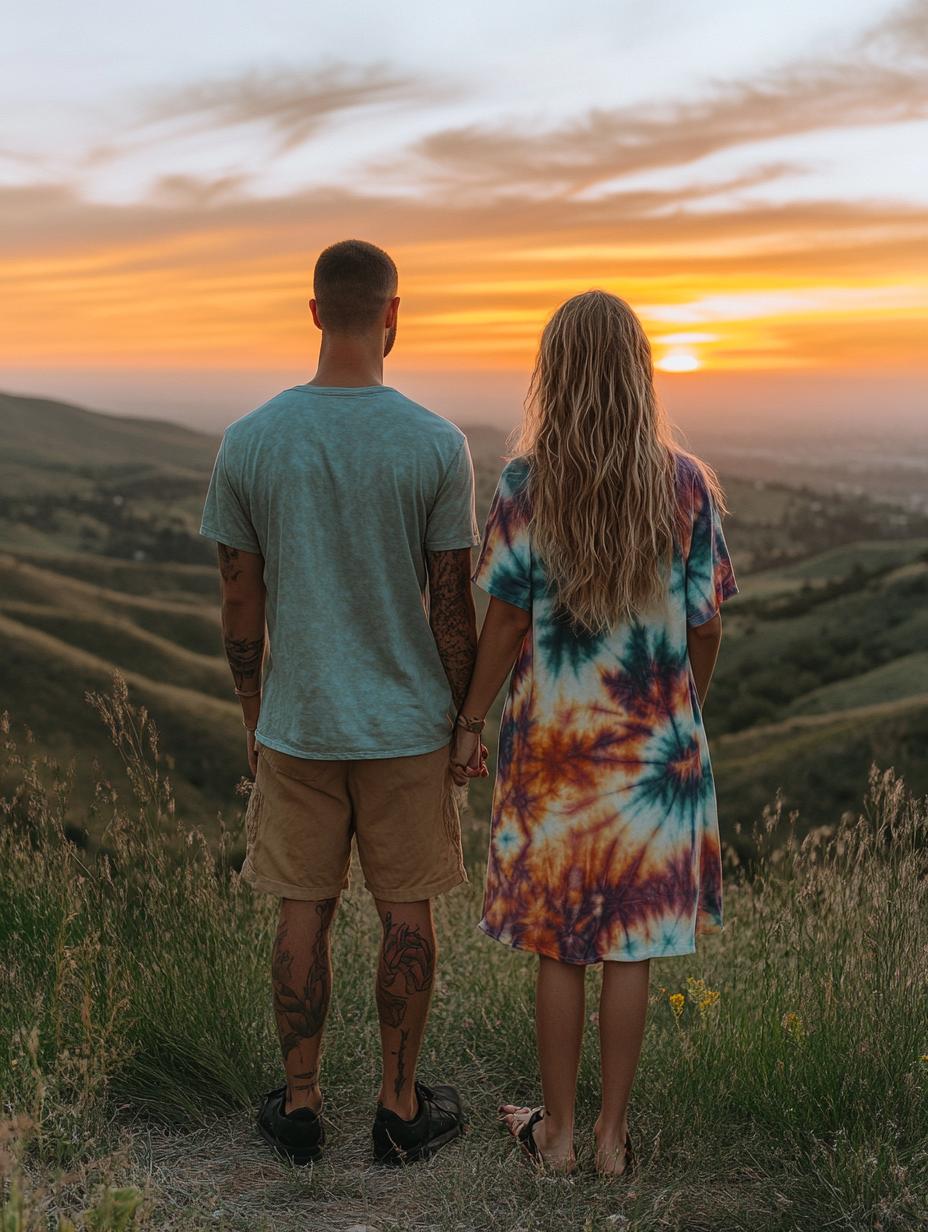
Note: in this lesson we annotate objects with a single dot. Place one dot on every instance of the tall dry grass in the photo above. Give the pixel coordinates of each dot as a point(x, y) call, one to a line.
point(784, 1082)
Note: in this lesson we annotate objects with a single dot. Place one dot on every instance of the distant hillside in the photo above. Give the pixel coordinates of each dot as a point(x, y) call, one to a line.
point(73, 480)
point(818, 764)
point(42, 432)
point(823, 669)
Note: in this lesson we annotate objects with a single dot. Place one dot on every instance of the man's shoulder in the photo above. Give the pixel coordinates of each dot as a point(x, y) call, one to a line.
point(438, 429)
point(255, 421)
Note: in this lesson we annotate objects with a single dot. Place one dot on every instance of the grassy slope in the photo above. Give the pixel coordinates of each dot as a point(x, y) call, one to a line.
point(65, 636)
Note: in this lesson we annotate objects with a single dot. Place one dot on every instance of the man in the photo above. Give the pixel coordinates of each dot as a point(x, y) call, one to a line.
point(333, 505)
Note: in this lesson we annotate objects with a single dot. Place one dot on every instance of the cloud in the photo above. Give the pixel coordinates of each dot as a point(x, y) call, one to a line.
point(881, 79)
point(294, 102)
point(203, 273)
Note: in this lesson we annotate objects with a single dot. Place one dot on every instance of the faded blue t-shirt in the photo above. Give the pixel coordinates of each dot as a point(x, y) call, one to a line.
point(343, 491)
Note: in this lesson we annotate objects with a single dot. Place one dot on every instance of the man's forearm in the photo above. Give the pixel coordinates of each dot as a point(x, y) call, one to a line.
point(244, 639)
point(244, 600)
point(453, 618)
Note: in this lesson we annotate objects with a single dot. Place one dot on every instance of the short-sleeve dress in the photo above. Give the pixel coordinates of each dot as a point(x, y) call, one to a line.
point(605, 842)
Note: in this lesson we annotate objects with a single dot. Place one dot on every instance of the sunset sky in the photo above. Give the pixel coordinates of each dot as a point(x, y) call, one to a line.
point(753, 178)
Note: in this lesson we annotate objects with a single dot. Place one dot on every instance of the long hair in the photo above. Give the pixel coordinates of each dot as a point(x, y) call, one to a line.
point(602, 464)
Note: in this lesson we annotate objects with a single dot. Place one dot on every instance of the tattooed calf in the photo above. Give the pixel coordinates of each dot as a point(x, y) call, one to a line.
point(301, 1011)
point(400, 1081)
point(407, 966)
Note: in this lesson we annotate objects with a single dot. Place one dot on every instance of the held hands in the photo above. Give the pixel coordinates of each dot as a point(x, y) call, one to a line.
point(468, 757)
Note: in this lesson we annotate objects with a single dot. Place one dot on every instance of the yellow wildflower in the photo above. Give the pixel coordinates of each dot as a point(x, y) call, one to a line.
point(695, 989)
point(707, 1003)
point(792, 1025)
point(677, 1002)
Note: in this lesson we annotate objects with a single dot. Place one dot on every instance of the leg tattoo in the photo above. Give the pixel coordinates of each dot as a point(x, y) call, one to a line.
point(400, 1080)
point(301, 1012)
point(407, 966)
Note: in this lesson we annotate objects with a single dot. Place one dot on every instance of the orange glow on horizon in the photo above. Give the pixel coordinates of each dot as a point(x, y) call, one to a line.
point(234, 296)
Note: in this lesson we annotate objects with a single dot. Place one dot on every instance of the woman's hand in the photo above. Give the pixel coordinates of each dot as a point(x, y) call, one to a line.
point(468, 757)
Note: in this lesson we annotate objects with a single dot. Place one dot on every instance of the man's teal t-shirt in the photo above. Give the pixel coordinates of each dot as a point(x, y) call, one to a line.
point(343, 491)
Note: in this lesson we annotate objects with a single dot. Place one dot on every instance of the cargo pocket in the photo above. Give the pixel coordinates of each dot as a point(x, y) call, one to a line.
point(253, 817)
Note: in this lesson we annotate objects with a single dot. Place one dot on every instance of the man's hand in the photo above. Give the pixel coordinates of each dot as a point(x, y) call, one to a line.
point(468, 757)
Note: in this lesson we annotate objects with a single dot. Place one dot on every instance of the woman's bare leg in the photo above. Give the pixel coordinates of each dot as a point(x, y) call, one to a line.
point(623, 1008)
point(559, 1014)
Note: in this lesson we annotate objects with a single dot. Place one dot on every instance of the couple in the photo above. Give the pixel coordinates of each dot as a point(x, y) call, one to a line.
point(338, 507)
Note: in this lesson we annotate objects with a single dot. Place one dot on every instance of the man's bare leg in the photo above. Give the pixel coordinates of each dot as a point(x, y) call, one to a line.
point(405, 975)
point(302, 979)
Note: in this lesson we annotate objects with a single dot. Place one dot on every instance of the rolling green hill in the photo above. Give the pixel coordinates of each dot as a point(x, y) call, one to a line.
point(823, 670)
point(77, 481)
point(64, 637)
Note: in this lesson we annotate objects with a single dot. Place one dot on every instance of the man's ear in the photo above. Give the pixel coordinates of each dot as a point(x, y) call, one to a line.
point(314, 311)
point(392, 311)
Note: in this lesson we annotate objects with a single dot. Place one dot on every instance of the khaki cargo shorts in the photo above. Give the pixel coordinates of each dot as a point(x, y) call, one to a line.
point(401, 811)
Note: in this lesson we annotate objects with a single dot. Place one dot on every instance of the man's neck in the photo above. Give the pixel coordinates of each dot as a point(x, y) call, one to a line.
point(350, 362)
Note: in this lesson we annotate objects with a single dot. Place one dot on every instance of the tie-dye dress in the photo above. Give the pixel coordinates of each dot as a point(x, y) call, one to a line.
point(605, 842)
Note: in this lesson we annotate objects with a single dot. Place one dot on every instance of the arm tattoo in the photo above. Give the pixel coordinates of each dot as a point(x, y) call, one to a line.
point(407, 966)
point(453, 618)
point(245, 658)
point(229, 569)
point(302, 1010)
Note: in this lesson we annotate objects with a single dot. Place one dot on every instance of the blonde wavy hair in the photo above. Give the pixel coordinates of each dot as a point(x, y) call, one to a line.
point(602, 464)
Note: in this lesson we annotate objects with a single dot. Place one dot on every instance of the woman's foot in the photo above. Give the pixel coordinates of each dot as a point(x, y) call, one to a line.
point(614, 1155)
point(553, 1145)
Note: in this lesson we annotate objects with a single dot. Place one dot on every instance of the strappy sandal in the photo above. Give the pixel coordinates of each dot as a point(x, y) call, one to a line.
point(631, 1162)
point(526, 1136)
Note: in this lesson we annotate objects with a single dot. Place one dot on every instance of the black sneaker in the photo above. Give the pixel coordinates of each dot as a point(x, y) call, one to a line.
point(437, 1122)
point(298, 1135)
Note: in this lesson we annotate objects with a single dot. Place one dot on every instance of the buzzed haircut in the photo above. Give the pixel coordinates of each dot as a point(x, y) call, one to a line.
point(353, 283)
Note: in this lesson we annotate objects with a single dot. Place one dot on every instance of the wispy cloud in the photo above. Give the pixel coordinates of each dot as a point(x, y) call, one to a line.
point(881, 79)
point(294, 102)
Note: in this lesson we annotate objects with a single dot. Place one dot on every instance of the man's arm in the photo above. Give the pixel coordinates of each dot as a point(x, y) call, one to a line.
point(453, 617)
point(244, 599)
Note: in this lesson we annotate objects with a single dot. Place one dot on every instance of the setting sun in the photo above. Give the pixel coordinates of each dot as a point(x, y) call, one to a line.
point(678, 361)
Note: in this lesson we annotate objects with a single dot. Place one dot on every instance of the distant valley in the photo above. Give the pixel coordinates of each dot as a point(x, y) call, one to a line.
point(824, 667)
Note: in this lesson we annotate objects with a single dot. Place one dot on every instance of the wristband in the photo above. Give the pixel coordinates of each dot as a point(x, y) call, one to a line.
point(474, 726)
point(241, 693)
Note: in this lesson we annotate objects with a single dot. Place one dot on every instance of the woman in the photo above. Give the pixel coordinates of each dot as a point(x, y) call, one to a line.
point(606, 567)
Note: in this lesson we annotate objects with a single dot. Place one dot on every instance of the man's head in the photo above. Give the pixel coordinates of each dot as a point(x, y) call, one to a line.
point(354, 284)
